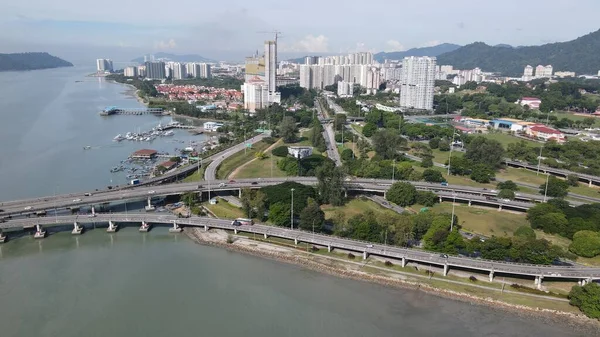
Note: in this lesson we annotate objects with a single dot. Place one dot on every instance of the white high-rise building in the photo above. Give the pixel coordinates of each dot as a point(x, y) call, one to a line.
point(205, 70)
point(345, 88)
point(305, 79)
point(417, 83)
point(528, 71)
point(130, 72)
point(104, 65)
point(271, 65)
point(256, 95)
point(179, 71)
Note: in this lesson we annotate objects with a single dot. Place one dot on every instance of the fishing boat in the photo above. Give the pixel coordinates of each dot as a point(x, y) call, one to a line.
point(87, 147)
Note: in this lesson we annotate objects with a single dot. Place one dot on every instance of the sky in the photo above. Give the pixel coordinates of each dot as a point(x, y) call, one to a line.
point(232, 29)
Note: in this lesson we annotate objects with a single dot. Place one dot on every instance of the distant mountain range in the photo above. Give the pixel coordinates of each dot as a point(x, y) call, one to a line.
point(580, 55)
point(31, 61)
point(176, 58)
point(424, 51)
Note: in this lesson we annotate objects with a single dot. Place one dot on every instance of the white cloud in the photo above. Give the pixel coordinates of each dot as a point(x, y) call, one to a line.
point(432, 43)
point(162, 45)
point(394, 45)
point(310, 43)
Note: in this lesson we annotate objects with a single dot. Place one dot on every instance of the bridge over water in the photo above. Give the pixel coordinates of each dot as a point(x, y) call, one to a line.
point(113, 110)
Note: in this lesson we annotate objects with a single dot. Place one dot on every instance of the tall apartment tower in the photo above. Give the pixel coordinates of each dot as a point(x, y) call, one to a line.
point(155, 70)
point(271, 65)
point(417, 82)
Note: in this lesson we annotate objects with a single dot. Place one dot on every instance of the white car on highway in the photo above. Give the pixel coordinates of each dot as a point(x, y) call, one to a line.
point(27, 208)
point(76, 200)
point(151, 192)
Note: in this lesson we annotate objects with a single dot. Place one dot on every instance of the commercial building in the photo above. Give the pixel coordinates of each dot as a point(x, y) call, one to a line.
point(511, 124)
point(155, 70)
point(545, 133)
point(130, 72)
point(104, 65)
point(564, 74)
point(212, 126)
point(271, 65)
point(417, 83)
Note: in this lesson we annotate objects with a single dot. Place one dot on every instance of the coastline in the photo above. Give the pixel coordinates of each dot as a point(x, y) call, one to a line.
point(320, 264)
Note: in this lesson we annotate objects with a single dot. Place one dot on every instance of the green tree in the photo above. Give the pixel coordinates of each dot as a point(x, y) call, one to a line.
point(553, 223)
point(280, 151)
point(482, 173)
point(387, 143)
point(586, 244)
point(525, 232)
point(434, 143)
point(433, 176)
point(189, 199)
point(330, 184)
point(426, 198)
point(279, 214)
point(403, 194)
point(587, 299)
point(339, 121)
point(506, 194)
point(557, 188)
point(287, 129)
point(573, 180)
point(369, 129)
point(481, 150)
point(260, 155)
point(427, 162)
point(444, 145)
point(536, 212)
point(312, 215)
point(507, 185)
point(347, 154)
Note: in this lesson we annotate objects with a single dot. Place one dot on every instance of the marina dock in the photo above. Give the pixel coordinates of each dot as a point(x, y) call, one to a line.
point(113, 110)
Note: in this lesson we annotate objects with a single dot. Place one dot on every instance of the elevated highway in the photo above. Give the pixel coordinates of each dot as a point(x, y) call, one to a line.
point(404, 255)
point(480, 196)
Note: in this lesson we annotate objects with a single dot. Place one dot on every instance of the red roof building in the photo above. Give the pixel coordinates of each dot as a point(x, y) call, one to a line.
point(168, 164)
point(545, 133)
point(144, 154)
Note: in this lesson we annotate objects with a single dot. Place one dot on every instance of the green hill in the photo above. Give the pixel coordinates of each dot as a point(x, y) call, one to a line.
point(31, 61)
point(579, 55)
point(424, 51)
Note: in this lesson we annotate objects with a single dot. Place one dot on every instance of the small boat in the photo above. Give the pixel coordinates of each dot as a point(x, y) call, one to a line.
point(87, 147)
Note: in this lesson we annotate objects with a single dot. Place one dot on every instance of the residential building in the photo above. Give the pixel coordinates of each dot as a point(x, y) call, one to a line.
point(212, 126)
point(310, 60)
point(271, 65)
point(417, 83)
point(564, 74)
point(255, 67)
point(205, 70)
point(345, 89)
point(104, 65)
point(130, 72)
point(155, 70)
point(141, 71)
point(545, 133)
point(305, 78)
point(528, 73)
point(256, 94)
point(179, 71)
point(543, 71)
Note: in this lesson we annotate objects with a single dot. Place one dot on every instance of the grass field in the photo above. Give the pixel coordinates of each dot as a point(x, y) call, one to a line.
point(355, 207)
point(506, 139)
point(531, 177)
point(571, 116)
point(260, 168)
point(238, 159)
point(483, 221)
point(224, 210)
point(197, 175)
point(442, 156)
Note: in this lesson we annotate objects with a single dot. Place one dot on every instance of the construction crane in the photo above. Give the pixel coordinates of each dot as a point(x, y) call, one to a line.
point(276, 32)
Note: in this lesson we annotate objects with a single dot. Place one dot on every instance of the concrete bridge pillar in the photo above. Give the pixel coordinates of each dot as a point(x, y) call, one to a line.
point(144, 227)
point(346, 193)
point(329, 248)
point(76, 229)
point(206, 228)
point(2, 239)
point(265, 235)
point(235, 231)
point(365, 255)
point(175, 228)
point(440, 200)
point(385, 195)
point(499, 207)
point(590, 183)
point(403, 262)
point(111, 227)
point(446, 269)
point(296, 241)
point(538, 281)
point(469, 202)
point(93, 211)
point(240, 193)
point(40, 233)
point(492, 276)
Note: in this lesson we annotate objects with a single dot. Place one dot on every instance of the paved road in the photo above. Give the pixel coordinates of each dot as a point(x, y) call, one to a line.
point(211, 170)
point(329, 136)
point(463, 193)
point(493, 267)
point(383, 202)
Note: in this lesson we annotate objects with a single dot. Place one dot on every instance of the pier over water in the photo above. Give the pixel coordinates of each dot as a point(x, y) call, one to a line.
point(113, 110)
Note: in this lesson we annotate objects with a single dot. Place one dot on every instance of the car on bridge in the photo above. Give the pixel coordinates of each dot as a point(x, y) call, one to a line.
point(27, 208)
point(151, 192)
point(76, 200)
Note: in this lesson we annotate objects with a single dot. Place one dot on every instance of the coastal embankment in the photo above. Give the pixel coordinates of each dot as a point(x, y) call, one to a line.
point(361, 272)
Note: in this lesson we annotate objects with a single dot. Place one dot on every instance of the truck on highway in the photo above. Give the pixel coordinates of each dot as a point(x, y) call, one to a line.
point(135, 182)
point(242, 221)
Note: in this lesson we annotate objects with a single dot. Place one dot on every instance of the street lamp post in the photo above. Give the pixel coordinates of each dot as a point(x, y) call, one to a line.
point(542, 147)
point(292, 211)
point(453, 202)
point(393, 170)
point(546, 189)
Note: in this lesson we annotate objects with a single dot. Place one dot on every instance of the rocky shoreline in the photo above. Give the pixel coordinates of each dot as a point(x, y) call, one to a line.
point(219, 239)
